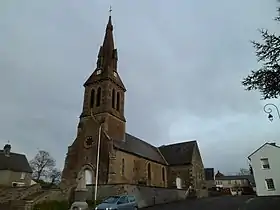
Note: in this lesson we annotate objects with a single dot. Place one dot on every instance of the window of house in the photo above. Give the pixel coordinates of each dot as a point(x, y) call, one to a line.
point(270, 184)
point(122, 167)
point(22, 176)
point(265, 163)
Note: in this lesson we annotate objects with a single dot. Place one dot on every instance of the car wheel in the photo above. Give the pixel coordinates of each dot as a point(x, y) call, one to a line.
point(135, 208)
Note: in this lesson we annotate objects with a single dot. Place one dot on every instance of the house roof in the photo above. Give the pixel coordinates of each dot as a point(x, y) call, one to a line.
point(209, 173)
point(174, 154)
point(219, 174)
point(267, 143)
point(15, 162)
point(237, 177)
point(178, 154)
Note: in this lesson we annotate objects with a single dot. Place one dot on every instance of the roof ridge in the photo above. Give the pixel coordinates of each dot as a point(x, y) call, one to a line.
point(184, 142)
point(256, 150)
point(13, 153)
point(162, 156)
point(138, 138)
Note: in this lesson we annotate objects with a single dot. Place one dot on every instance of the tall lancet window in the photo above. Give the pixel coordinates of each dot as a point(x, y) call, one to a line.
point(118, 101)
point(98, 97)
point(113, 98)
point(92, 98)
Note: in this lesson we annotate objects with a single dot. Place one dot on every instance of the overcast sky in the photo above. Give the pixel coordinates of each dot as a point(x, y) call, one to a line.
point(181, 61)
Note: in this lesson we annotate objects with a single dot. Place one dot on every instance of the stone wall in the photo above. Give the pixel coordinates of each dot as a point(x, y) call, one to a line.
point(7, 177)
point(136, 170)
point(145, 196)
point(202, 193)
point(198, 175)
point(17, 193)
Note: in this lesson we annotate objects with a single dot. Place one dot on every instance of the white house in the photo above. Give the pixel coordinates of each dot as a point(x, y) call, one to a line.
point(265, 163)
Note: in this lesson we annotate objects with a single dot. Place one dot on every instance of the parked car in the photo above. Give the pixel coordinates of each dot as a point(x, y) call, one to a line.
point(124, 202)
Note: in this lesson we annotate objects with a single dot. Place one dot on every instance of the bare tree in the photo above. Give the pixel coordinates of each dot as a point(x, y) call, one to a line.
point(266, 79)
point(41, 165)
point(244, 171)
point(55, 176)
point(251, 170)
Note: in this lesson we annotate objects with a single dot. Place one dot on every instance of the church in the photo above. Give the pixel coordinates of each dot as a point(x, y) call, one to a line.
point(124, 158)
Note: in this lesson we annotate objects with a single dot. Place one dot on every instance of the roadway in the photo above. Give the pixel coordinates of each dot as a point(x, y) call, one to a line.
point(223, 202)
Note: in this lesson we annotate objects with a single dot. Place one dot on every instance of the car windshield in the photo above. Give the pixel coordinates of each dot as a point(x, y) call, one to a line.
point(112, 199)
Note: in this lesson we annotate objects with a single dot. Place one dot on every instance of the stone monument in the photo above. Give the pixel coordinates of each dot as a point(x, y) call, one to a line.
point(81, 192)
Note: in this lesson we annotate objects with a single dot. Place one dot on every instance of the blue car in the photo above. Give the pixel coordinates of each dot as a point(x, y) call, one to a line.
point(125, 202)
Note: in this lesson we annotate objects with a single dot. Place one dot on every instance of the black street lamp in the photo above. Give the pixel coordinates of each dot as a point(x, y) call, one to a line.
point(268, 110)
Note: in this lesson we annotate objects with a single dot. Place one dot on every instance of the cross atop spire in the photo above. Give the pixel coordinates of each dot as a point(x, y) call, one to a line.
point(110, 11)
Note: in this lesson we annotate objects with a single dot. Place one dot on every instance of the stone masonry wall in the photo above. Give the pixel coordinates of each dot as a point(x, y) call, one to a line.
point(145, 196)
point(17, 193)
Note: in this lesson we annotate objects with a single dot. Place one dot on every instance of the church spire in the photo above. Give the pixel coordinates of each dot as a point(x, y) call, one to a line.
point(108, 43)
point(107, 56)
point(107, 61)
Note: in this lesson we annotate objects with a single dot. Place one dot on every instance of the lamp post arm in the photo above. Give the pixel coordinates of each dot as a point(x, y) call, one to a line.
point(268, 110)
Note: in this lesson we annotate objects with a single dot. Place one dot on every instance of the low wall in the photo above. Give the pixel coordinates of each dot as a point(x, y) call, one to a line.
point(17, 193)
point(202, 193)
point(145, 196)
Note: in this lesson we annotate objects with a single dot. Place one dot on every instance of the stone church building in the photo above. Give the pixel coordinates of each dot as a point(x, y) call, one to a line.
point(124, 158)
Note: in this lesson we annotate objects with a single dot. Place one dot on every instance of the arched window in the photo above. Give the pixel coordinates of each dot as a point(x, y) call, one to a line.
point(163, 174)
point(92, 98)
point(149, 171)
point(88, 176)
point(98, 97)
point(122, 167)
point(113, 98)
point(179, 183)
point(118, 101)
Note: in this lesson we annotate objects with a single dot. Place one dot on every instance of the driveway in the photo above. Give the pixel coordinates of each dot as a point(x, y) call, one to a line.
point(224, 202)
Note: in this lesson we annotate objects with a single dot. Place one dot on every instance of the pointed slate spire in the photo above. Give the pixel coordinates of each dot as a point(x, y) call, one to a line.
point(107, 61)
point(107, 56)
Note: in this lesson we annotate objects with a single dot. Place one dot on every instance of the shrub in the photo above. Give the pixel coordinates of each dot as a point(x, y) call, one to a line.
point(91, 203)
point(52, 205)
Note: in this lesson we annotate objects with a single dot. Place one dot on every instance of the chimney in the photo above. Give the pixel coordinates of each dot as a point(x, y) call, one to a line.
point(7, 150)
point(273, 144)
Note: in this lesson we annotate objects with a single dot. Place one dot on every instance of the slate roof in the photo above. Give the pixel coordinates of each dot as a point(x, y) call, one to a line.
point(209, 173)
point(15, 162)
point(178, 154)
point(219, 174)
point(174, 154)
point(267, 143)
point(139, 147)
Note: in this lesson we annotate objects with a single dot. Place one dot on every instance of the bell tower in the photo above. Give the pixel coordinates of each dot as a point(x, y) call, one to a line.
point(104, 90)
